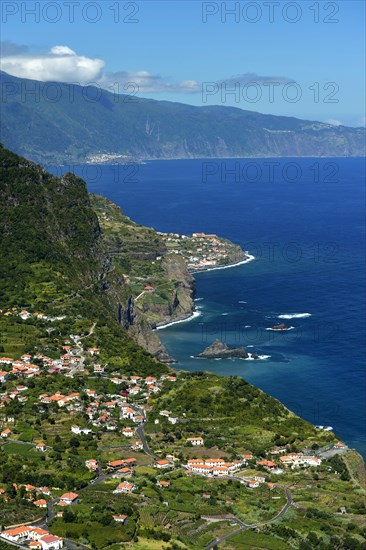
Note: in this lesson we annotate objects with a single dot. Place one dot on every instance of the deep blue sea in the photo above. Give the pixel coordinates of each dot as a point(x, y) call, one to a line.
point(304, 221)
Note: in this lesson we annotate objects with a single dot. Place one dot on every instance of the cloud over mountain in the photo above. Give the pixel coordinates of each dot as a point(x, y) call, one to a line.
point(61, 63)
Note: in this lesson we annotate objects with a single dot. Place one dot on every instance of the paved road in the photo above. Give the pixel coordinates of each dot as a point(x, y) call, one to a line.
point(243, 526)
point(43, 523)
point(77, 339)
point(140, 432)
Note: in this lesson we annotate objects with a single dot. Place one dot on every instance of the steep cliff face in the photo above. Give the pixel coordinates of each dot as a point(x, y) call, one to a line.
point(55, 256)
point(179, 302)
point(123, 305)
point(134, 254)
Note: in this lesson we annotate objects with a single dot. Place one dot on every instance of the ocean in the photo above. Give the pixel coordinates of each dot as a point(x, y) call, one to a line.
point(304, 222)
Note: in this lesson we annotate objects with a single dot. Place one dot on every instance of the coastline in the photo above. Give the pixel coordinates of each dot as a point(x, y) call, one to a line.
point(248, 258)
point(195, 313)
point(190, 317)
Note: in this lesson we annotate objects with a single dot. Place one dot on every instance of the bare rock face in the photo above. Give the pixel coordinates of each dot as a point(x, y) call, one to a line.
point(220, 350)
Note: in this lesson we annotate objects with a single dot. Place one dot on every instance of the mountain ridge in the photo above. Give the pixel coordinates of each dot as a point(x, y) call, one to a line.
point(54, 123)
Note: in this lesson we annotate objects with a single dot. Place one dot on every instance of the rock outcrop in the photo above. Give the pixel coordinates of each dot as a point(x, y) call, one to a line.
point(220, 350)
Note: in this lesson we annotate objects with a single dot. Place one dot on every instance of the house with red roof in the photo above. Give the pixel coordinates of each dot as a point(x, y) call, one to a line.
point(115, 464)
point(120, 519)
point(69, 498)
point(3, 376)
point(253, 484)
point(51, 542)
point(18, 534)
point(195, 441)
point(91, 464)
point(163, 483)
point(41, 503)
point(124, 487)
point(162, 463)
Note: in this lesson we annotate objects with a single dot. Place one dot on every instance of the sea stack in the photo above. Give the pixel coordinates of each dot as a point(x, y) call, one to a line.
point(220, 350)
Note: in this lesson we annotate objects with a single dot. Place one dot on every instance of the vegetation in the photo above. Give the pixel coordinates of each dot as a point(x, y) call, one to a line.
point(53, 248)
point(214, 406)
point(64, 267)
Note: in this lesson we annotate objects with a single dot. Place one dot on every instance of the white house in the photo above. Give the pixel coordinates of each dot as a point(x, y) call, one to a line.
point(17, 534)
point(260, 479)
point(201, 468)
point(51, 542)
point(195, 441)
point(120, 519)
point(253, 484)
point(3, 376)
point(124, 487)
point(78, 431)
point(91, 464)
point(162, 463)
point(69, 498)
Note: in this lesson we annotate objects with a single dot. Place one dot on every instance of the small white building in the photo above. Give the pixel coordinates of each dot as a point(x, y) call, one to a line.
point(51, 542)
point(124, 487)
point(78, 431)
point(69, 498)
point(195, 441)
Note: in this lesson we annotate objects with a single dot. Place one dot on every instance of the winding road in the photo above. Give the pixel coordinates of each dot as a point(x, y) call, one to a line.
point(243, 526)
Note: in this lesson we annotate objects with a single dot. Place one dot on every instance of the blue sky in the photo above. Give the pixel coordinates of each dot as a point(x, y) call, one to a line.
point(309, 55)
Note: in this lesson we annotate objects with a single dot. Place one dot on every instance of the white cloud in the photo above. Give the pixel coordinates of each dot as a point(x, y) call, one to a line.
point(145, 82)
point(63, 64)
point(334, 122)
point(60, 64)
point(62, 50)
point(252, 78)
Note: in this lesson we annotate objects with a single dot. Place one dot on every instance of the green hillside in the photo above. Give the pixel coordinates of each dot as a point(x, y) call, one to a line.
point(54, 260)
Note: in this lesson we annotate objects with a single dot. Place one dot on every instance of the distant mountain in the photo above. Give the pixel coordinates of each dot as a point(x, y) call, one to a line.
point(62, 123)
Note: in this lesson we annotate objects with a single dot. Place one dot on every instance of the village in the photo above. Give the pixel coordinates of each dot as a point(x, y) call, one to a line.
point(202, 251)
point(124, 413)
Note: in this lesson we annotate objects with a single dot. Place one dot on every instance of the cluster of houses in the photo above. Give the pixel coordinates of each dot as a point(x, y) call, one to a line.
point(213, 466)
point(32, 494)
point(108, 411)
point(216, 467)
point(24, 314)
point(295, 460)
point(33, 537)
point(101, 410)
point(201, 250)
